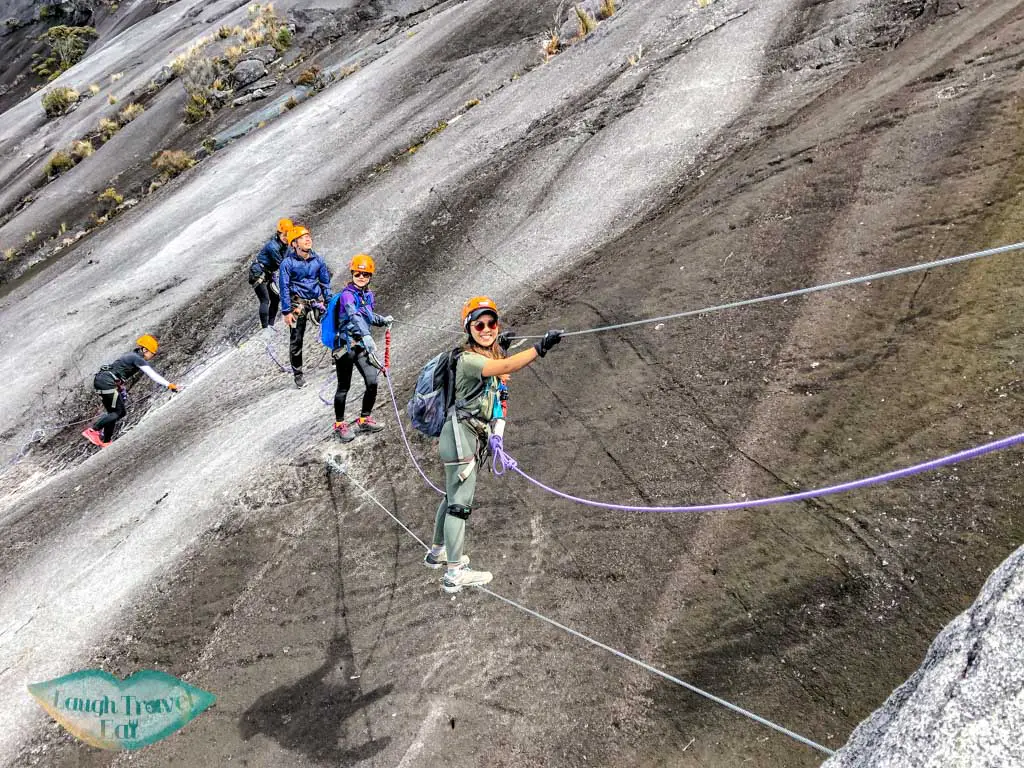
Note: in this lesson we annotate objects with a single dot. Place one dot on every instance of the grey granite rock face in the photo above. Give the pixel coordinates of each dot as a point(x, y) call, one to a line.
point(965, 705)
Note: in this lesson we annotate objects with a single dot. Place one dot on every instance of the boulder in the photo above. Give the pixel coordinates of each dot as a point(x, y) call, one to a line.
point(261, 85)
point(248, 71)
point(962, 707)
point(241, 101)
point(264, 54)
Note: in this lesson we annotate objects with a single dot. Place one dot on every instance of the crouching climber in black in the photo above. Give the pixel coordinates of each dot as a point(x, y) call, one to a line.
point(263, 273)
point(112, 382)
point(305, 287)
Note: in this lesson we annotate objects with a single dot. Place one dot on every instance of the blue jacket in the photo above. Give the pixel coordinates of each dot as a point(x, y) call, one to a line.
point(271, 255)
point(303, 278)
point(349, 317)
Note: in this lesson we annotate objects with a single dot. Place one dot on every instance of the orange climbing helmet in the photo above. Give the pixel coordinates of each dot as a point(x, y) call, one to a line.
point(147, 342)
point(362, 262)
point(295, 233)
point(283, 225)
point(477, 306)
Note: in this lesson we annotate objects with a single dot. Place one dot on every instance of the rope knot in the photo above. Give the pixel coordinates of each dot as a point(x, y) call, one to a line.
point(501, 462)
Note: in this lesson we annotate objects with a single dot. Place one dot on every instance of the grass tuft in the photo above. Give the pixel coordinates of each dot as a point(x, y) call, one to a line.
point(57, 100)
point(81, 150)
point(129, 113)
point(171, 162)
point(108, 128)
point(59, 162)
point(587, 22)
point(109, 199)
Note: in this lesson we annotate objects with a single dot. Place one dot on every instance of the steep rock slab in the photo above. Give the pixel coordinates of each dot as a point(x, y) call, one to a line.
point(964, 705)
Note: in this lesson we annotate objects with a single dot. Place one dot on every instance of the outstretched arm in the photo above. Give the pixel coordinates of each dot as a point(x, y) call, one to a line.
point(522, 359)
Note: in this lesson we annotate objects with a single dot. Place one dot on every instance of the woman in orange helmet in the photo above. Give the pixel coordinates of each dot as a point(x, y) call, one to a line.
point(112, 382)
point(477, 411)
point(352, 314)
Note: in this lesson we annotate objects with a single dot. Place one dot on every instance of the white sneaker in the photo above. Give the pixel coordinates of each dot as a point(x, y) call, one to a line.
point(441, 559)
point(464, 576)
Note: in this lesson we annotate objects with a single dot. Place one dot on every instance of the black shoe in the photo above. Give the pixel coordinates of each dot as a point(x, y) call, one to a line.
point(299, 381)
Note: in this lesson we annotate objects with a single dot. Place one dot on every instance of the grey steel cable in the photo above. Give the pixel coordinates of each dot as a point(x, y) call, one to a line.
point(799, 291)
point(665, 675)
point(620, 654)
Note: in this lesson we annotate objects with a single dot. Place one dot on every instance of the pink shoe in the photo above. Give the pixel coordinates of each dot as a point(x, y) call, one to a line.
point(94, 437)
point(343, 432)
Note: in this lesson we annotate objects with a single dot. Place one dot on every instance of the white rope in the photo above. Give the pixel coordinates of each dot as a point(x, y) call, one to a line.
point(620, 654)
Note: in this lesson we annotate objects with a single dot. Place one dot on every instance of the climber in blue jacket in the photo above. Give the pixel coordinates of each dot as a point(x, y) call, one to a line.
point(346, 331)
point(305, 286)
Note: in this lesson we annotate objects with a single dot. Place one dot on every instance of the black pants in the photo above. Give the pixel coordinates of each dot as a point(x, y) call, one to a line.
point(298, 333)
point(114, 405)
point(343, 367)
point(269, 302)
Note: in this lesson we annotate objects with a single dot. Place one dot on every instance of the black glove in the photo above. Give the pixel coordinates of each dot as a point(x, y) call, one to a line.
point(550, 339)
point(505, 340)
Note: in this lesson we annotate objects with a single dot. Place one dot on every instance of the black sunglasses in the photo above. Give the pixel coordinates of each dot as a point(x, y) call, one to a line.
point(362, 274)
point(479, 325)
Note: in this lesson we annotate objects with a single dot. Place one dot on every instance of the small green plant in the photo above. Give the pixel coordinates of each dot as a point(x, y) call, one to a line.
point(606, 9)
point(210, 144)
point(171, 162)
point(108, 128)
point(587, 22)
point(471, 103)
point(130, 112)
point(111, 99)
point(197, 107)
point(634, 58)
point(59, 162)
point(283, 39)
point(67, 47)
point(116, 76)
point(93, 89)
point(703, 3)
point(225, 32)
point(63, 227)
point(309, 76)
point(292, 103)
point(109, 199)
point(31, 237)
point(10, 253)
point(80, 150)
point(57, 100)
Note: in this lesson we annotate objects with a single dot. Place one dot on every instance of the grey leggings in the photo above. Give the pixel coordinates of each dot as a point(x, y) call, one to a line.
point(450, 530)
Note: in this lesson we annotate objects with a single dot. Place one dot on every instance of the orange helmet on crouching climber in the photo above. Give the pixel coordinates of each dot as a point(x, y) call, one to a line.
point(147, 342)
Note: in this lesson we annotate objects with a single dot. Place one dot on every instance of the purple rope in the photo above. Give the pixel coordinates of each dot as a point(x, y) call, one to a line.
point(272, 356)
point(323, 386)
point(405, 439)
point(505, 462)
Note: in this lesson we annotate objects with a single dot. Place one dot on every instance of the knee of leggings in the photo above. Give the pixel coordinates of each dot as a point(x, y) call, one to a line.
point(459, 510)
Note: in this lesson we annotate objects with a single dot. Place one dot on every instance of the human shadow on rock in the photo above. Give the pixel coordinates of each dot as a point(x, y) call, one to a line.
point(307, 715)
